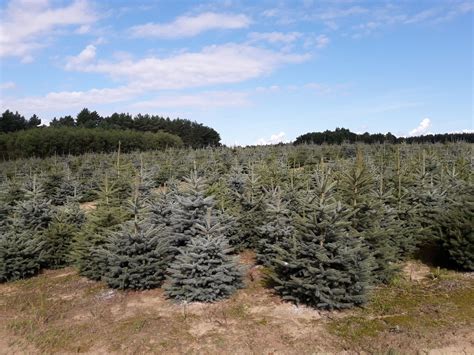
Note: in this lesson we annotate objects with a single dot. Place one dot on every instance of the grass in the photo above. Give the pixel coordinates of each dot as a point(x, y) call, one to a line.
point(58, 312)
point(418, 310)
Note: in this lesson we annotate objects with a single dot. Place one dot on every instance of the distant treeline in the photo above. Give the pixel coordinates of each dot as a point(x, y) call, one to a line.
point(343, 135)
point(192, 134)
point(46, 141)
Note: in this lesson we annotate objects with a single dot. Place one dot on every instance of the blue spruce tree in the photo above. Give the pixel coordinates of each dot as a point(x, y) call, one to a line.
point(323, 266)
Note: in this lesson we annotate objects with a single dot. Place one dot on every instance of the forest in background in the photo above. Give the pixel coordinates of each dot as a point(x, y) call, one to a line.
point(89, 132)
point(20, 132)
point(343, 135)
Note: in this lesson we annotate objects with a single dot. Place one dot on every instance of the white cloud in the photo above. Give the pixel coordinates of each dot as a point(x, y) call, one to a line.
point(455, 11)
point(422, 128)
point(270, 13)
point(318, 42)
point(188, 26)
point(27, 59)
point(327, 89)
point(26, 24)
point(322, 41)
point(463, 131)
point(83, 29)
point(205, 100)
point(7, 85)
point(274, 139)
point(336, 13)
point(222, 64)
point(56, 101)
point(228, 63)
point(86, 56)
point(274, 37)
point(126, 95)
point(391, 15)
point(268, 89)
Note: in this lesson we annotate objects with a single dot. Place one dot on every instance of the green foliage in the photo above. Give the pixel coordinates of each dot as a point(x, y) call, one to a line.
point(34, 213)
point(248, 195)
point(190, 209)
point(323, 266)
point(86, 247)
point(11, 122)
point(204, 270)
point(372, 220)
point(324, 236)
point(5, 206)
point(58, 238)
point(161, 206)
point(59, 188)
point(88, 119)
point(277, 229)
point(137, 256)
point(20, 254)
point(456, 229)
point(341, 135)
point(179, 131)
point(47, 141)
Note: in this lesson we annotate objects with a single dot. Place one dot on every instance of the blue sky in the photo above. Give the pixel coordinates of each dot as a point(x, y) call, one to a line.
point(257, 71)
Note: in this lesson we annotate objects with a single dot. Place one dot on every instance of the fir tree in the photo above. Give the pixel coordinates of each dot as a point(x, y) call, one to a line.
point(384, 239)
point(60, 187)
point(456, 229)
point(145, 183)
point(35, 213)
point(277, 230)
point(324, 266)
point(251, 215)
point(190, 209)
point(137, 256)
point(12, 192)
point(58, 238)
point(371, 219)
point(5, 207)
point(20, 254)
point(204, 270)
point(162, 205)
point(104, 219)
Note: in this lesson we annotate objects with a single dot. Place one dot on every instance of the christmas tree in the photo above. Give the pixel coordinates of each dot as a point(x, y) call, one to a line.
point(145, 182)
point(59, 236)
point(5, 206)
point(35, 213)
point(60, 187)
point(324, 266)
point(277, 230)
point(106, 218)
point(190, 209)
point(20, 254)
point(204, 270)
point(249, 197)
point(372, 220)
point(137, 256)
point(162, 205)
point(456, 228)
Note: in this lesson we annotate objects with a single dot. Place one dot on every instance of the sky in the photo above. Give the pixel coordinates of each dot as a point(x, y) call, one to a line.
point(259, 72)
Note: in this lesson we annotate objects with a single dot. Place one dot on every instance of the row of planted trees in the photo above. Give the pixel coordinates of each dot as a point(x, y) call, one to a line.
point(47, 141)
point(327, 223)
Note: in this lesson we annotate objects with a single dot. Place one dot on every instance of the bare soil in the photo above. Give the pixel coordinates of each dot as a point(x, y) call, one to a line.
point(61, 312)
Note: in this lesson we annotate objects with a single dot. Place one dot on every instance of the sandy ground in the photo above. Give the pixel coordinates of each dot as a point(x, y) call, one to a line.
point(60, 312)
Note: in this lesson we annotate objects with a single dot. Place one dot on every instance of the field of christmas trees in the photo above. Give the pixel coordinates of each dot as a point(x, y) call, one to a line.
point(275, 249)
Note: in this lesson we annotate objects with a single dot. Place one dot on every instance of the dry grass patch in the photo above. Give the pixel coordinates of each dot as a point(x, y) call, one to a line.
point(60, 312)
point(407, 315)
